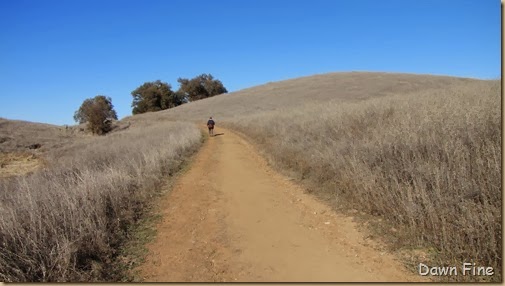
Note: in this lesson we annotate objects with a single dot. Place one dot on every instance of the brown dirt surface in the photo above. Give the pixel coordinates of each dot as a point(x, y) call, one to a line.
point(231, 218)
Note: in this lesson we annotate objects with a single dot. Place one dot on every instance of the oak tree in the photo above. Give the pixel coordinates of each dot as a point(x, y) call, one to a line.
point(97, 112)
point(154, 96)
point(200, 87)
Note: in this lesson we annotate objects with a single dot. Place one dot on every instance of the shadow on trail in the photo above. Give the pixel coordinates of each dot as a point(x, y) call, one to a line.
point(218, 134)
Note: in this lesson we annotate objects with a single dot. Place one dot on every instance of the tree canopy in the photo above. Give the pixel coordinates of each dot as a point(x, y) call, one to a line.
point(154, 96)
point(96, 112)
point(158, 95)
point(200, 87)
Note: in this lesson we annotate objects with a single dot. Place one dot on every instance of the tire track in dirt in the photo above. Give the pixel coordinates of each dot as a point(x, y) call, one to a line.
point(230, 217)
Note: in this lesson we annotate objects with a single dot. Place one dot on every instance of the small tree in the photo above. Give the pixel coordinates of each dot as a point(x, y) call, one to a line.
point(154, 96)
point(97, 113)
point(200, 87)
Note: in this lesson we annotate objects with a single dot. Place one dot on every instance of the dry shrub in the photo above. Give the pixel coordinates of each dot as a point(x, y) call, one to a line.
point(428, 162)
point(68, 222)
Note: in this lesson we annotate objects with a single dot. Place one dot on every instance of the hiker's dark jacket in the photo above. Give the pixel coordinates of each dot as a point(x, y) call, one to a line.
point(210, 123)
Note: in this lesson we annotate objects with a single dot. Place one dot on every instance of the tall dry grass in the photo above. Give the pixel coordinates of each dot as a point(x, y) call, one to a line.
point(428, 162)
point(67, 223)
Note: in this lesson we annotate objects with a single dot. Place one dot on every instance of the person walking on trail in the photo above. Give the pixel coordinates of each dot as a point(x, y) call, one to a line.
point(210, 125)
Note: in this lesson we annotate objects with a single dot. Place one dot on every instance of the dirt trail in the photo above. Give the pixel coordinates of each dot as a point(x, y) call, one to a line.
point(232, 218)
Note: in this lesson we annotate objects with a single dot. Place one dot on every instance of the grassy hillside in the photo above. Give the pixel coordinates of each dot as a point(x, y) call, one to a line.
point(422, 152)
point(68, 221)
point(352, 86)
point(429, 163)
point(27, 146)
point(17, 135)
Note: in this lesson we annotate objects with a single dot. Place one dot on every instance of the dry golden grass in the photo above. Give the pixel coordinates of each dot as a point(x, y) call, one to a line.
point(25, 145)
point(348, 86)
point(428, 162)
point(67, 222)
point(15, 164)
point(18, 136)
point(421, 151)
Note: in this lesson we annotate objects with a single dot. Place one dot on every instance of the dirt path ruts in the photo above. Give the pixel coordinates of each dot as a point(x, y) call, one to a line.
point(232, 218)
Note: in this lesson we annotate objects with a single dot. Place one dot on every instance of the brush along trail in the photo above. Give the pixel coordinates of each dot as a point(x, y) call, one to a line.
point(231, 218)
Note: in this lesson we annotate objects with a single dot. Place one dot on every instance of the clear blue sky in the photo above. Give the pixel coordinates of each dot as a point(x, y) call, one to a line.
point(56, 53)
